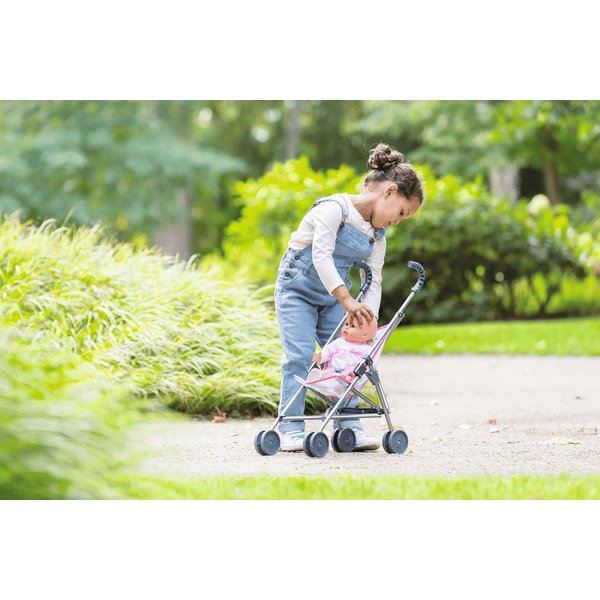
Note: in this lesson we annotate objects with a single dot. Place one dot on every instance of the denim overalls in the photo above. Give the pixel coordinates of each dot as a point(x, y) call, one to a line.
point(306, 311)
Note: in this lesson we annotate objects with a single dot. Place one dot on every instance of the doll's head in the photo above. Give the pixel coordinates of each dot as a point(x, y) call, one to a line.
point(361, 335)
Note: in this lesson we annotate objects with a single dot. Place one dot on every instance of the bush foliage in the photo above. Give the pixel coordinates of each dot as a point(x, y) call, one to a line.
point(166, 329)
point(483, 254)
point(61, 423)
point(484, 257)
point(272, 207)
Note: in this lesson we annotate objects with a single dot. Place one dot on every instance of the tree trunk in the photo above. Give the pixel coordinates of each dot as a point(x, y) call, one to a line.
point(551, 147)
point(176, 237)
point(505, 183)
point(292, 145)
point(551, 178)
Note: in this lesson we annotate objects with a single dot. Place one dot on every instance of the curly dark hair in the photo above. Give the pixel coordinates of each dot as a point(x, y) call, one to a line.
point(388, 165)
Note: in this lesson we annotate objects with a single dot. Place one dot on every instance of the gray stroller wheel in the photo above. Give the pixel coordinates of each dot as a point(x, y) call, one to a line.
point(346, 440)
point(397, 441)
point(385, 442)
point(257, 445)
point(267, 442)
point(334, 440)
point(316, 444)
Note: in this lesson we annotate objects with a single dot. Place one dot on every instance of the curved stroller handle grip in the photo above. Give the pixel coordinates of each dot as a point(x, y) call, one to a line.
point(415, 265)
point(368, 275)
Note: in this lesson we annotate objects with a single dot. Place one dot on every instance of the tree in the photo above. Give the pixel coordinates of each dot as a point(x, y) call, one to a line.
point(496, 138)
point(449, 135)
point(125, 163)
point(292, 145)
point(559, 137)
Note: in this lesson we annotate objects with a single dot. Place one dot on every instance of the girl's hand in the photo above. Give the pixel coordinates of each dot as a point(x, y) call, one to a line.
point(317, 358)
point(356, 311)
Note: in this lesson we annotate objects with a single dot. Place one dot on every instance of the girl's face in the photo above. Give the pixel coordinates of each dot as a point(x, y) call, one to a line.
point(392, 207)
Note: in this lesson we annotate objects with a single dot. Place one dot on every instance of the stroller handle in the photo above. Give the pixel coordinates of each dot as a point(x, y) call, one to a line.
point(415, 265)
point(368, 275)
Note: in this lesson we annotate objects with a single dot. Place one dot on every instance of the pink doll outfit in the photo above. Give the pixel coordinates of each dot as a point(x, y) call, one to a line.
point(341, 358)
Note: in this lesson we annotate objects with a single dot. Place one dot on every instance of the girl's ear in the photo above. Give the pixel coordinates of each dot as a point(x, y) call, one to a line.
point(393, 187)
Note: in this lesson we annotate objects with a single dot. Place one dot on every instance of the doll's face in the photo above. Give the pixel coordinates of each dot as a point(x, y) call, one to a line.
point(359, 334)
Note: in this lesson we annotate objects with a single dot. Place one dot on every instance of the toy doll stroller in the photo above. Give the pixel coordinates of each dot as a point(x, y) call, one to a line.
point(316, 443)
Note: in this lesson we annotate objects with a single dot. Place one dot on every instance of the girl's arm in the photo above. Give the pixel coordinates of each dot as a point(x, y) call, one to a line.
point(326, 218)
point(373, 296)
point(356, 310)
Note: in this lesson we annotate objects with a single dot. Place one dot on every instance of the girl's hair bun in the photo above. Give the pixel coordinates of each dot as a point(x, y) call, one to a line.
point(388, 165)
point(382, 157)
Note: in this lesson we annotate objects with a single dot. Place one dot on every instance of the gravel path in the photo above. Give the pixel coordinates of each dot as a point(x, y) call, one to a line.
point(465, 415)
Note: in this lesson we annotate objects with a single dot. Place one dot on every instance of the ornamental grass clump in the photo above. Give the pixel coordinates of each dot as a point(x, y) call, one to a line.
point(166, 329)
point(62, 423)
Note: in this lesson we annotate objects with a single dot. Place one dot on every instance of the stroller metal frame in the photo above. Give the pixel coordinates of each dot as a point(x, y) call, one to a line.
point(316, 444)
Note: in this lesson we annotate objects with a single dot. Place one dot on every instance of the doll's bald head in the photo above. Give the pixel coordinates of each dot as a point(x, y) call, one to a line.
point(362, 334)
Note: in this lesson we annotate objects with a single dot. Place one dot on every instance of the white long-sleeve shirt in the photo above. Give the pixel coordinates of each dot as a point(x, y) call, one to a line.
point(319, 227)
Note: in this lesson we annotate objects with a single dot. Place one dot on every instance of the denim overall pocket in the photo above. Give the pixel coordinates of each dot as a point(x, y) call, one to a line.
point(293, 265)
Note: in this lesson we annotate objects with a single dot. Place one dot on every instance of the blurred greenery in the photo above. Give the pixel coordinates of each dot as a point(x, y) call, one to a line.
point(122, 161)
point(137, 166)
point(62, 423)
point(378, 487)
point(117, 162)
point(555, 143)
point(487, 258)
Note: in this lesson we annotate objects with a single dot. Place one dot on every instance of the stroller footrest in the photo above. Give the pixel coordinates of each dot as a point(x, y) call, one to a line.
point(360, 411)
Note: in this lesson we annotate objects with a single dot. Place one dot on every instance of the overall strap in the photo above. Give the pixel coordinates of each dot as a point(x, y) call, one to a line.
point(379, 233)
point(337, 199)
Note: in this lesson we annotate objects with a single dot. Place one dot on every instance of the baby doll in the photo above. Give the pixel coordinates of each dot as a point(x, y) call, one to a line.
point(341, 357)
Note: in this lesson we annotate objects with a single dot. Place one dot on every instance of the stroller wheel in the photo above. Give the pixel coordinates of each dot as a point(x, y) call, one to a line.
point(334, 440)
point(395, 441)
point(316, 444)
point(257, 444)
point(385, 442)
point(346, 440)
point(267, 442)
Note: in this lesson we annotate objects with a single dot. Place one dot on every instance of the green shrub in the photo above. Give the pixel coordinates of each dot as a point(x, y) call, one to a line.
point(484, 257)
point(166, 329)
point(576, 297)
point(61, 423)
point(273, 206)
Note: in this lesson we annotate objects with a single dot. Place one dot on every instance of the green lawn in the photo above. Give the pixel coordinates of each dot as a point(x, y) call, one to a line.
point(264, 487)
point(558, 337)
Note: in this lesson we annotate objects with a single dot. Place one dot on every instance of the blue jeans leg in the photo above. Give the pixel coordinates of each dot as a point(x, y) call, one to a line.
point(297, 320)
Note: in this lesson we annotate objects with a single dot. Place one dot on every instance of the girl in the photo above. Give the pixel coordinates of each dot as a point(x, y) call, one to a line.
point(312, 289)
